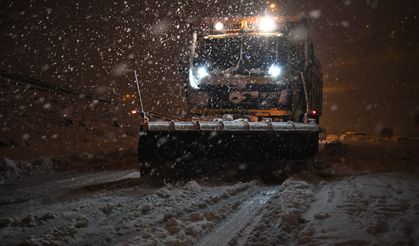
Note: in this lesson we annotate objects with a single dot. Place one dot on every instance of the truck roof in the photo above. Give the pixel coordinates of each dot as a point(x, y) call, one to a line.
point(219, 27)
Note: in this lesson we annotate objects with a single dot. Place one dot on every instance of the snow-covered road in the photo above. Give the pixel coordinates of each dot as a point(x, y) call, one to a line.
point(121, 208)
point(314, 207)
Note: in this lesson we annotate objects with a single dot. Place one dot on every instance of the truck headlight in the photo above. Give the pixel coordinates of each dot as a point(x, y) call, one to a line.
point(275, 70)
point(202, 72)
point(195, 76)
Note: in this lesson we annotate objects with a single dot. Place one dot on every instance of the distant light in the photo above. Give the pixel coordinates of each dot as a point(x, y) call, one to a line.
point(274, 70)
point(272, 6)
point(134, 111)
point(202, 72)
point(267, 24)
point(313, 112)
point(219, 26)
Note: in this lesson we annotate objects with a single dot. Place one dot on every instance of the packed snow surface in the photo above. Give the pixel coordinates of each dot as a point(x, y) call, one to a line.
point(351, 196)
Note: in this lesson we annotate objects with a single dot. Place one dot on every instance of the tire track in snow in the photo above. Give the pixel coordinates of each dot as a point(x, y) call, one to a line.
point(238, 221)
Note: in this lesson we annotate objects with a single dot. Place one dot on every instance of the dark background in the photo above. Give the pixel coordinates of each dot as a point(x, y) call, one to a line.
point(369, 51)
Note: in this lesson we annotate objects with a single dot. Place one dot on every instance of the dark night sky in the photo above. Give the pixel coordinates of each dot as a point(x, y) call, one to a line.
point(369, 51)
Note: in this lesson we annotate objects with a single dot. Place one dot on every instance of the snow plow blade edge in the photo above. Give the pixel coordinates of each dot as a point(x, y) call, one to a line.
point(248, 141)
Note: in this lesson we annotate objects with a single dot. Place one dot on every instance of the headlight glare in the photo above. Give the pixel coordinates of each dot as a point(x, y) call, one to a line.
point(267, 24)
point(219, 26)
point(275, 70)
point(202, 72)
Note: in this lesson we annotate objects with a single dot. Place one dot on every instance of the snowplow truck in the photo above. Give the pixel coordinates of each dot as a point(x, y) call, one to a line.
point(254, 93)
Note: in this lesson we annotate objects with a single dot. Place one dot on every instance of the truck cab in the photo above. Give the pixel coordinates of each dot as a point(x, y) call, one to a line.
point(254, 68)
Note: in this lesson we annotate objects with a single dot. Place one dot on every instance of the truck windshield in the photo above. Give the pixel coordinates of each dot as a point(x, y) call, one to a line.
point(247, 54)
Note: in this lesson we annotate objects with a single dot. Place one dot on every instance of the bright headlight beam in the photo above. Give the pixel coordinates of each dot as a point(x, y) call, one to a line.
point(202, 72)
point(219, 26)
point(275, 70)
point(195, 77)
point(267, 24)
